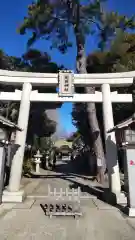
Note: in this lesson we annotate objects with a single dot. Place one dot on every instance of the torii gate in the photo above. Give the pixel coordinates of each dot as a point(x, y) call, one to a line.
point(27, 80)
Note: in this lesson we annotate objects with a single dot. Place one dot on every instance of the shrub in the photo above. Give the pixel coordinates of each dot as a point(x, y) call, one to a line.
point(27, 165)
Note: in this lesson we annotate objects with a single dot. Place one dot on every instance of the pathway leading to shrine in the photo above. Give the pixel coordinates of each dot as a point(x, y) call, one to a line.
point(65, 175)
point(28, 221)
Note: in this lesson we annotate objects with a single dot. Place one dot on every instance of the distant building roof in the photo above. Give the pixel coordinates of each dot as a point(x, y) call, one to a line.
point(8, 123)
point(124, 124)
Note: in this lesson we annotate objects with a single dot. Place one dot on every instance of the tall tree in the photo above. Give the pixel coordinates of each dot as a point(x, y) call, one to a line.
point(54, 19)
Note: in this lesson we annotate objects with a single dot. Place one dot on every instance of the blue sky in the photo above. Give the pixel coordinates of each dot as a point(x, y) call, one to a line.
point(11, 15)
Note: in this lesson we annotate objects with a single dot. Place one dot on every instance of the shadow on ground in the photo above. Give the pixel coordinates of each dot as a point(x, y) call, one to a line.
point(69, 171)
point(65, 169)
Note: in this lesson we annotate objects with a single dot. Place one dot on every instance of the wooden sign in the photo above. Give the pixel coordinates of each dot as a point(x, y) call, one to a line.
point(66, 84)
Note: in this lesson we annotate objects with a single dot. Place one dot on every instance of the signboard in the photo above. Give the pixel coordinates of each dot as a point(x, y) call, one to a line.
point(132, 163)
point(130, 173)
point(66, 84)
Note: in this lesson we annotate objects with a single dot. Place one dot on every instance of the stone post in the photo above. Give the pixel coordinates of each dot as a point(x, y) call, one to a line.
point(13, 194)
point(110, 142)
point(37, 160)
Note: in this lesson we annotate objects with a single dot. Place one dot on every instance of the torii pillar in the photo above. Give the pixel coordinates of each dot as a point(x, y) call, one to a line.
point(111, 148)
point(13, 192)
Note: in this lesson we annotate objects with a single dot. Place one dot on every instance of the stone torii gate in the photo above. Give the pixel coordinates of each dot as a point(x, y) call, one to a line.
point(27, 80)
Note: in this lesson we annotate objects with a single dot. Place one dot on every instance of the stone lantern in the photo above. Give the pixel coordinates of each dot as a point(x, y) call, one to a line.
point(125, 138)
point(37, 161)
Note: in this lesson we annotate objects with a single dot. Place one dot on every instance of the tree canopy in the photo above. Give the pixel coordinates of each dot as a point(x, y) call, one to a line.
point(54, 19)
point(120, 58)
point(32, 61)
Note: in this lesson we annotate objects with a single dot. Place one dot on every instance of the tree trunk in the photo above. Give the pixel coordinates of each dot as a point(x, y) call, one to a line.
point(94, 126)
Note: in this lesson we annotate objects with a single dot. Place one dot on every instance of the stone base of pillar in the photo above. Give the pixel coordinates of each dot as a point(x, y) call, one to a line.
point(121, 199)
point(13, 197)
point(114, 199)
point(129, 211)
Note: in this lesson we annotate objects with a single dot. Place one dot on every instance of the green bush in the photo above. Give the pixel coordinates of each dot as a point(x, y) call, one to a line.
point(27, 165)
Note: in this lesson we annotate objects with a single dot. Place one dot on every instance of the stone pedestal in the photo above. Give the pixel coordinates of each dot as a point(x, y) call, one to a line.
point(129, 211)
point(37, 163)
point(115, 198)
point(11, 197)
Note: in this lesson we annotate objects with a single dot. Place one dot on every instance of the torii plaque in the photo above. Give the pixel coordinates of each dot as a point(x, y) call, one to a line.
point(66, 84)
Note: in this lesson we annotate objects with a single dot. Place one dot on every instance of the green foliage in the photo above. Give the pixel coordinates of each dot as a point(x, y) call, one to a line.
point(56, 19)
point(9, 110)
point(45, 127)
point(40, 62)
point(110, 24)
point(27, 166)
point(12, 63)
point(32, 61)
point(81, 122)
point(46, 143)
point(42, 143)
point(121, 57)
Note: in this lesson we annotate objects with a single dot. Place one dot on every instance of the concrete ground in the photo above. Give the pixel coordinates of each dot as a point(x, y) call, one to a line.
point(27, 220)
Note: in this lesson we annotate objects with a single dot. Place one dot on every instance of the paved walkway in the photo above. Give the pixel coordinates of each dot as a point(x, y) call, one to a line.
point(27, 220)
point(64, 176)
point(99, 222)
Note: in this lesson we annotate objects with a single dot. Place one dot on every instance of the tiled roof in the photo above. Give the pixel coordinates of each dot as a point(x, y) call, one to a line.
point(8, 123)
point(124, 124)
